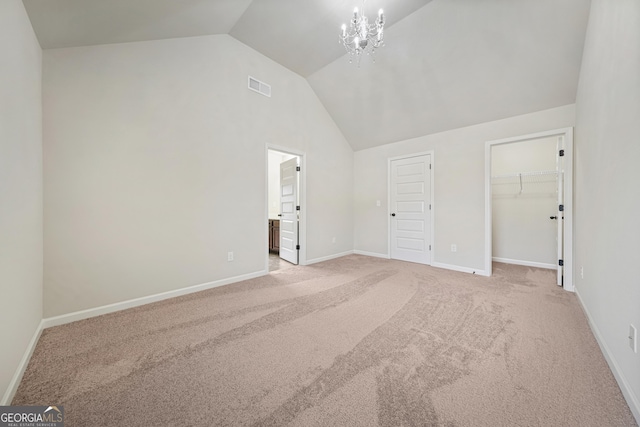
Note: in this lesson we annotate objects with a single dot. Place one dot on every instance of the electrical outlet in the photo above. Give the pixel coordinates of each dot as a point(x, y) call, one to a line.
point(229, 256)
point(454, 248)
point(378, 203)
point(633, 338)
point(333, 240)
point(581, 272)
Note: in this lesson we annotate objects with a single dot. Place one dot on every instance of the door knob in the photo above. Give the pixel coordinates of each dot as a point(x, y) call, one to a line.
point(553, 217)
point(393, 214)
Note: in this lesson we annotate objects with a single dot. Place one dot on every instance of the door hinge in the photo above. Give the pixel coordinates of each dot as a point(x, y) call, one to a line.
point(429, 206)
point(561, 262)
point(298, 247)
point(561, 208)
point(561, 154)
point(429, 166)
point(297, 208)
point(429, 247)
point(297, 168)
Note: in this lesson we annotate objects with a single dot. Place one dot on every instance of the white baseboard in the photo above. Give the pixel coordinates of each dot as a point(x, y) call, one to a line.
point(525, 263)
point(627, 391)
point(433, 264)
point(22, 367)
point(372, 254)
point(327, 258)
point(459, 268)
point(105, 309)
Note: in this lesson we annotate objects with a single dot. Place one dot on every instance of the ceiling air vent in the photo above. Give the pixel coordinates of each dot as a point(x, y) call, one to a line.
point(260, 87)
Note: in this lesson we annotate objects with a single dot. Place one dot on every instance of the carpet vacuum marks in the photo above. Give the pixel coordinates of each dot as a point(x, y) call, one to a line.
point(355, 341)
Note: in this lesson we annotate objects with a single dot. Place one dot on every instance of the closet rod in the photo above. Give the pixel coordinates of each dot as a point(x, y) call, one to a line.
point(526, 174)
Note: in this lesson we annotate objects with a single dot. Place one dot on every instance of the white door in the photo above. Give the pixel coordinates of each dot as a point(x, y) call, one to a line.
point(289, 210)
point(560, 214)
point(410, 197)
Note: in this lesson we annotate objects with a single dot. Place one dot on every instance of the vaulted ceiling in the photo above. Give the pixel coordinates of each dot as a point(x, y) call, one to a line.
point(446, 63)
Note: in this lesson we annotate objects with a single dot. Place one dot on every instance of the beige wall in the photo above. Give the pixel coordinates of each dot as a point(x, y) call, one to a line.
point(607, 178)
point(20, 187)
point(155, 167)
point(459, 161)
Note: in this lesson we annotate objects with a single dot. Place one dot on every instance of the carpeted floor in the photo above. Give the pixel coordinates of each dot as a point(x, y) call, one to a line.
point(356, 341)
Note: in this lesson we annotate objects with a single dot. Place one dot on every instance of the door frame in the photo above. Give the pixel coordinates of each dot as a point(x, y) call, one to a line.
point(433, 205)
point(302, 197)
point(567, 133)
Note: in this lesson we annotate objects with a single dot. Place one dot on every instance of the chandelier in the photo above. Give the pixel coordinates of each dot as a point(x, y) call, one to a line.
point(361, 36)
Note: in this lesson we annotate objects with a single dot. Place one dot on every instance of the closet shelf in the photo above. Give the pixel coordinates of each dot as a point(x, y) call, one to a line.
point(537, 174)
point(519, 179)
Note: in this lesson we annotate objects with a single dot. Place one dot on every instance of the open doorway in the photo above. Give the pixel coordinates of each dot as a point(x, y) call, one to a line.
point(529, 202)
point(285, 225)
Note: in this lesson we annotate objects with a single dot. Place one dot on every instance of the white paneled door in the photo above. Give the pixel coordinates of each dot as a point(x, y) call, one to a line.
point(289, 211)
point(410, 197)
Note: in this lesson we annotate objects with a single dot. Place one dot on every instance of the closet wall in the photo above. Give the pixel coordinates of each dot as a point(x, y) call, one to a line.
point(524, 197)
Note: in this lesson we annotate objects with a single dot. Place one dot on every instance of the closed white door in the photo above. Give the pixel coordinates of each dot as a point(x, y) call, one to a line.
point(410, 197)
point(289, 210)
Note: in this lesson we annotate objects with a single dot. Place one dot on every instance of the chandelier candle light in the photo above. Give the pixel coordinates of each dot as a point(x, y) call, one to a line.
point(362, 37)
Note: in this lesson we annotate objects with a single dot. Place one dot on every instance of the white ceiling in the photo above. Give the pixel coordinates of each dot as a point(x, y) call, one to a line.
point(446, 63)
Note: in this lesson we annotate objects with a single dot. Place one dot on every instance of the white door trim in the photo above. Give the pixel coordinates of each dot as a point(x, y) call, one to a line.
point(302, 255)
point(568, 199)
point(433, 205)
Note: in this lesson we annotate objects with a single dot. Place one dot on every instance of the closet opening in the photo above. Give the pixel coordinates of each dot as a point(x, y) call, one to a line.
point(529, 202)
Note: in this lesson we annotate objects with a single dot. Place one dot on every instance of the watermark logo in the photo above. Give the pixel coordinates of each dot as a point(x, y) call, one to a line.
point(31, 416)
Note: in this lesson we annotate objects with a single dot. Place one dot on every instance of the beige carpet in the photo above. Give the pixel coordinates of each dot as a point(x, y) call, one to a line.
point(355, 341)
